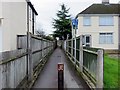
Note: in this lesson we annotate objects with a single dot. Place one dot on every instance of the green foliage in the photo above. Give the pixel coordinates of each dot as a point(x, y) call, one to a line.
point(110, 72)
point(62, 24)
point(48, 38)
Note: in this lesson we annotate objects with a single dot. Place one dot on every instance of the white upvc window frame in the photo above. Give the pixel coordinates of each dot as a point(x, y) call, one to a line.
point(84, 40)
point(104, 38)
point(86, 21)
point(106, 21)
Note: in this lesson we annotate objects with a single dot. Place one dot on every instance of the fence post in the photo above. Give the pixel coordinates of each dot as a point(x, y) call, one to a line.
point(81, 54)
point(29, 62)
point(75, 52)
point(64, 45)
point(47, 47)
point(99, 73)
point(3, 76)
point(71, 48)
point(50, 46)
point(42, 48)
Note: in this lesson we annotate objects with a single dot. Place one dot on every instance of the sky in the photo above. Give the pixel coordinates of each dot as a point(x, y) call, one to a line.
point(47, 10)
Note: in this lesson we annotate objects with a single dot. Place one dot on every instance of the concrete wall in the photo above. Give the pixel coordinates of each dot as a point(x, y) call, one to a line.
point(95, 29)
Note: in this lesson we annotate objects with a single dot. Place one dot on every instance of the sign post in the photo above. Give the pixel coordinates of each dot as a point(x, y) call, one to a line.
point(60, 76)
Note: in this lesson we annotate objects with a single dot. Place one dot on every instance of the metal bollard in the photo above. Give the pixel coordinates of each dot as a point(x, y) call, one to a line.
point(60, 76)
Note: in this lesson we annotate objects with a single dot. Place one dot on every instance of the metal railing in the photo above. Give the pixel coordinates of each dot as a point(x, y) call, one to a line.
point(20, 67)
point(88, 61)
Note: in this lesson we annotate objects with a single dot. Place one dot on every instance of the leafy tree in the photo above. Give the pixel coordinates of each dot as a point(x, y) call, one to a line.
point(62, 24)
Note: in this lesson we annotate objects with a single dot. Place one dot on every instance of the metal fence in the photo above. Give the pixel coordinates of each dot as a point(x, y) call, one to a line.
point(87, 60)
point(18, 67)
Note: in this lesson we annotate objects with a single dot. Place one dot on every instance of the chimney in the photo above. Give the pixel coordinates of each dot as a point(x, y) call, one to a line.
point(105, 1)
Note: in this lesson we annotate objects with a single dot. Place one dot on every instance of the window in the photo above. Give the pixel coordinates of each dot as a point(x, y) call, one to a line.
point(106, 21)
point(106, 38)
point(86, 21)
point(86, 40)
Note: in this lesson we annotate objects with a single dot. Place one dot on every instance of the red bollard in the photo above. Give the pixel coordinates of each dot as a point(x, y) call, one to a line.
point(60, 76)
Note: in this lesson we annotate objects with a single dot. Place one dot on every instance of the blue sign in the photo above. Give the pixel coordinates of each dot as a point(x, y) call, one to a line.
point(75, 22)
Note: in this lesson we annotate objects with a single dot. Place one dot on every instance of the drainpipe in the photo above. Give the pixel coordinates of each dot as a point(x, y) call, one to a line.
point(27, 61)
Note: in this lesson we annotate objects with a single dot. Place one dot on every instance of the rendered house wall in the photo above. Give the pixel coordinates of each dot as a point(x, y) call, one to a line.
point(95, 29)
point(15, 18)
point(14, 23)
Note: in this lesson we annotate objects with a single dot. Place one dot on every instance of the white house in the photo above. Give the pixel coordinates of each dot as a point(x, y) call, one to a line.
point(100, 25)
point(16, 18)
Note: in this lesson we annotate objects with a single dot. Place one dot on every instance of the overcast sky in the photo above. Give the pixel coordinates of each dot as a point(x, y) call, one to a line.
point(47, 10)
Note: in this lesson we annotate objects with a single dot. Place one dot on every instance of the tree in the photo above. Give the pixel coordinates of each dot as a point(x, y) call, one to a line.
point(62, 24)
point(39, 30)
point(40, 33)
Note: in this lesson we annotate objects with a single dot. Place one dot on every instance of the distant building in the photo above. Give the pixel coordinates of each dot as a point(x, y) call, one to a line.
point(100, 25)
point(16, 18)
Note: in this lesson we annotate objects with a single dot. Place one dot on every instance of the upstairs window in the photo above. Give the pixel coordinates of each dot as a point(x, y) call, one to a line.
point(106, 21)
point(86, 21)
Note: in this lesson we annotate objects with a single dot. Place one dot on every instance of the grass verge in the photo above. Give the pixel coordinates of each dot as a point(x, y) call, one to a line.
point(110, 72)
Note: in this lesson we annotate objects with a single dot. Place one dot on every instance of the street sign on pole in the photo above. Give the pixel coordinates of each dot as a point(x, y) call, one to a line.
point(74, 23)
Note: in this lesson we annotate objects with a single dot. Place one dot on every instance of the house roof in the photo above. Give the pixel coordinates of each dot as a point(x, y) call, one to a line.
point(32, 7)
point(102, 9)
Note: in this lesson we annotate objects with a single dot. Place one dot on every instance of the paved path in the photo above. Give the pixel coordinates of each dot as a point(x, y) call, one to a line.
point(49, 76)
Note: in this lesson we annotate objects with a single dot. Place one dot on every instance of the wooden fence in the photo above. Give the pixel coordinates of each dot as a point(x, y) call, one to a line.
point(19, 68)
point(88, 61)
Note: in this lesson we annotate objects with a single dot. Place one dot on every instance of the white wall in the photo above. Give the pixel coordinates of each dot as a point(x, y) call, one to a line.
point(95, 29)
point(0, 9)
point(0, 37)
point(14, 23)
